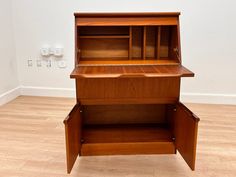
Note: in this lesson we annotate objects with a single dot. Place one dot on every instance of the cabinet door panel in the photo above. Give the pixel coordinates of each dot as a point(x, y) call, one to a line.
point(185, 130)
point(73, 136)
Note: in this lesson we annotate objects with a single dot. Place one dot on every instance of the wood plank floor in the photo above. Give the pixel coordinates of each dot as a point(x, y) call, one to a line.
point(32, 145)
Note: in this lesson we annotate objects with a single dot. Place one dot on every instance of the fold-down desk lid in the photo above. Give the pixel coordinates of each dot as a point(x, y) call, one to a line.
point(131, 71)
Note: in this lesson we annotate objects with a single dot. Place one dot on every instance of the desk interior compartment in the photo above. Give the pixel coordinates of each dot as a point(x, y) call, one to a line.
point(103, 43)
point(139, 129)
point(128, 44)
point(126, 129)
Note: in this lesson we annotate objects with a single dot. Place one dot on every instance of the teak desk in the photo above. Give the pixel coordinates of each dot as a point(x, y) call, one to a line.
point(127, 73)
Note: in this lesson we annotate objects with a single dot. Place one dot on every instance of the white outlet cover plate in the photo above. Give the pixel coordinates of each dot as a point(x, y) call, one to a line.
point(62, 64)
point(30, 63)
point(58, 51)
point(39, 63)
point(49, 63)
point(45, 51)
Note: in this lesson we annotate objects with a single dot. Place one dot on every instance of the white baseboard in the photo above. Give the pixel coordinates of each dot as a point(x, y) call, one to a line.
point(185, 97)
point(208, 98)
point(67, 92)
point(9, 95)
point(47, 91)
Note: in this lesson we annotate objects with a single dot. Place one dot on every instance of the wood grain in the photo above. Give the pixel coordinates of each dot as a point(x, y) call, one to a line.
point(110, 127)
point(128, 90)
point(121, 133)
point(158, 41)
point(173, 44)
point(126, 139)
point(105, 37)
point(32, 144)
point(127, 14)
point(104, 47)
point(151, 44)
point(73, 131)
point(144, 37)
point(165, 42)
point(131, 71)
point(76, 45)
point(186, 127)
point(134, 61)
point(125, 21)
point(99, 35)
point(124, 114)
point(130, 42)
point(128, 148)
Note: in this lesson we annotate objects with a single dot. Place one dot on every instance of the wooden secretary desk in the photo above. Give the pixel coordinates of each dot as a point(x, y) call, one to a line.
point(127, 73)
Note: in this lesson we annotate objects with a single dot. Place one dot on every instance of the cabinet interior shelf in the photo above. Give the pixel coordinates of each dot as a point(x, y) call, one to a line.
point(105, 37)
point(127, 139)
point(126, 61)
point(126, 133)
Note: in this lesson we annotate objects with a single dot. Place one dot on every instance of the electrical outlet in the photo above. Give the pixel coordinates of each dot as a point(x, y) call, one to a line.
point(30, 63)
point(62, 64)
point(39, 63)
point(49, 63)
point(45, 51)
point(58, 51)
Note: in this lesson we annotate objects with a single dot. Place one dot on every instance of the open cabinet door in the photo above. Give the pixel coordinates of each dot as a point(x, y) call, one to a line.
point(73, 136)
point(185, 130)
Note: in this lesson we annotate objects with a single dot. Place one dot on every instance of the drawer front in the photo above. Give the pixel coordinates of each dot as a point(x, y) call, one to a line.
point(129, 90)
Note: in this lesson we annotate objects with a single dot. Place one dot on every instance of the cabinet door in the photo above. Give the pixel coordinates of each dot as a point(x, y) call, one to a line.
point(185, 130)
point(73, 136)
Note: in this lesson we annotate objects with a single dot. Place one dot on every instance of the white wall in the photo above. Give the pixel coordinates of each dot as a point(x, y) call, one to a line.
point(8, 65)
point(207, 36)
point(38, 23)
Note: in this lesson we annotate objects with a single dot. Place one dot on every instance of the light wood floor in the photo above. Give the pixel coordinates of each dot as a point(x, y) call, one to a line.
point(32, 145)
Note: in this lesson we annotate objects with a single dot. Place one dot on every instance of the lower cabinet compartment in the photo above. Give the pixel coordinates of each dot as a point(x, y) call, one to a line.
point(131, 129)
point(127, 139)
